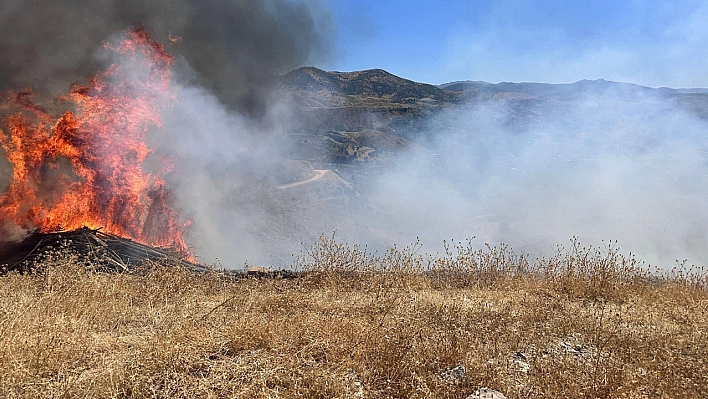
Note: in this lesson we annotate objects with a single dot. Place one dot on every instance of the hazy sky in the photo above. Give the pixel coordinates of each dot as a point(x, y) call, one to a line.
point(650, 42)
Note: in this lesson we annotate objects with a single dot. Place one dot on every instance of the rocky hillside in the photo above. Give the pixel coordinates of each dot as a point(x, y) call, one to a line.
point(358, 117)
point(374, 88)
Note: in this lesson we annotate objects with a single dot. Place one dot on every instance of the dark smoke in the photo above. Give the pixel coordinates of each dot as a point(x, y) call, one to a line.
point(233, 46)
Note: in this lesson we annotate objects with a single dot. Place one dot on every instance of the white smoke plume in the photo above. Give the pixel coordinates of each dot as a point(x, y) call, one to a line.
point(615, 165)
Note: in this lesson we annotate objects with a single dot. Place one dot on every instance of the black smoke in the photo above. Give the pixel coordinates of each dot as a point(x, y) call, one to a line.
point(234, 46)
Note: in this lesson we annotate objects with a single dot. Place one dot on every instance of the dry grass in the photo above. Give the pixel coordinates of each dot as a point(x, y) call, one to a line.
point(585, 323)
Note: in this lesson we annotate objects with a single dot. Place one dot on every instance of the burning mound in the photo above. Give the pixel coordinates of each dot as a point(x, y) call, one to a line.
point(87, 166)
point(105, 251)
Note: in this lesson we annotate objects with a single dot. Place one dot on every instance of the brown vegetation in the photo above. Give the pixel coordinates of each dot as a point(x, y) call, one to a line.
point(586, 323)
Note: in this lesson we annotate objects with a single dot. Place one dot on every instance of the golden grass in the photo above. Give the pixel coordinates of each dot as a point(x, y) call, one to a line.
point(585, 323)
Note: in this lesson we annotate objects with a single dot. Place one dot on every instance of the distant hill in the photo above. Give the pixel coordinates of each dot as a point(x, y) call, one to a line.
point(598, 86)
point(369, 88)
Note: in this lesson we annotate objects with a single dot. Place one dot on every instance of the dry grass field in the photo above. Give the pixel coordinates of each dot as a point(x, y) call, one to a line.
point(585, 323)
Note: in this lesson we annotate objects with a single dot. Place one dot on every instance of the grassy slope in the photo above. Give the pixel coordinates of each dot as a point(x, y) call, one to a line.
point(585, 323)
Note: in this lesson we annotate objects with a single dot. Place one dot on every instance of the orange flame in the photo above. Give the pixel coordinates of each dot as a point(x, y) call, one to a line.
point(85, 168)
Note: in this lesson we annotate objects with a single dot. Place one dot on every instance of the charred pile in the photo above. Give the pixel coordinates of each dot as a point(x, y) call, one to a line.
point(107, 251)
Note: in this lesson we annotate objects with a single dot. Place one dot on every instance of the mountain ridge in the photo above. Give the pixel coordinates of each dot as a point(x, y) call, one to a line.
point(377, 88)
point(463, 85)
point(340, 116)
point(349, 88)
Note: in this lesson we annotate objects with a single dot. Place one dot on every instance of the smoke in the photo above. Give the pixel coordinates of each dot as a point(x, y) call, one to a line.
point(232, 170)
point(615, 165)
point(232, 45)
point(620, 163)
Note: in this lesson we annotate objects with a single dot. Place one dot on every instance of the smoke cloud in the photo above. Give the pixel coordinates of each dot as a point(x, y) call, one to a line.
point(622, 163)
point(232, 45)
point(615, 165)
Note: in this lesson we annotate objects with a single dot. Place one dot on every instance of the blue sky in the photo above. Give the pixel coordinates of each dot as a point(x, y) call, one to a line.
point(654, 43)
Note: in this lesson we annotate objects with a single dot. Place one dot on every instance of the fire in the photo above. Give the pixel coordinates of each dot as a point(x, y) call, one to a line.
point(86, 167)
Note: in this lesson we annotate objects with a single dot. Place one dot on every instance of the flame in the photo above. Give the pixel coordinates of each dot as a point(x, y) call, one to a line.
point(86, 167)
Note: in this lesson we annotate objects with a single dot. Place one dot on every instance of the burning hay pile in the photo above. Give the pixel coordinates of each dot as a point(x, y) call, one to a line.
point(84, 178)
point(85, 167)
point(109, 252)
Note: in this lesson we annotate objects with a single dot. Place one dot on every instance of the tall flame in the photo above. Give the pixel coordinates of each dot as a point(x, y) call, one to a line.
point(86, 167)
